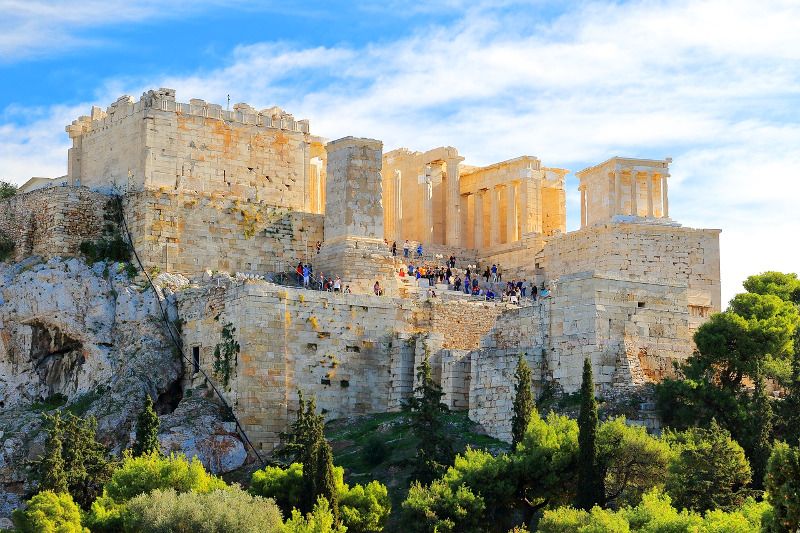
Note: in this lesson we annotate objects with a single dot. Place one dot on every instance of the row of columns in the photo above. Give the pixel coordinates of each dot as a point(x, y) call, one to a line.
point(518, 217)
point(634, 193)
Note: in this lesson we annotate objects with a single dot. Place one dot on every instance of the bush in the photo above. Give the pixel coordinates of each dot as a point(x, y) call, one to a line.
point(49, 512)
point(783, 487)
point(575, 520)
point(442, 508)
point(7, 190)
point(284, 485)
point(319, 520)
point(218, 511)
point(144, 474)
point(365, 508)
point(376, 451)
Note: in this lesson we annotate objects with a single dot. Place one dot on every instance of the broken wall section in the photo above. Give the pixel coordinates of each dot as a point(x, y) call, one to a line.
point(52, 222)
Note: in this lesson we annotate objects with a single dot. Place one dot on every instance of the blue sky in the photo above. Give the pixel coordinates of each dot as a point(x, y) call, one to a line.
point(715, 84)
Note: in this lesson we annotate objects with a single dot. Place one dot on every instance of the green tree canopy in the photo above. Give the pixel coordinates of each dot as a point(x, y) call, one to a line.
point(7, 190)
point(147, 430)
point(590, 478)
point(48, 512)
point(523, 402)
point(783, 487)
point(784, 286)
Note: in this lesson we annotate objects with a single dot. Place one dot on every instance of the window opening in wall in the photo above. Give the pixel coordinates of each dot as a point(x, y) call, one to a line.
point(344, 383)
point(195, 359)
point(325, 381)
point(640, 304)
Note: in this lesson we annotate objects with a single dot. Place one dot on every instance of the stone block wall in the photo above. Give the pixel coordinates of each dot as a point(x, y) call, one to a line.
point(52, 222)
point(354, 353)
point(191, 232)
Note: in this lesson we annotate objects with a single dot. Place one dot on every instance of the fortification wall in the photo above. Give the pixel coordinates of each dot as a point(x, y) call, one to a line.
point(354, 353)
point(52, 222)
point(191, 232)
point(158, 143)
point(643, 252)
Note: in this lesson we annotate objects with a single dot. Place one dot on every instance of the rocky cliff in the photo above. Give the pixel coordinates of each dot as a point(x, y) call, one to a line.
point(89, 340)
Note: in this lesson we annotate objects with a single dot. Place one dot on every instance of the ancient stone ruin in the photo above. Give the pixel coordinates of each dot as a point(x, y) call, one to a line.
point(206, 190)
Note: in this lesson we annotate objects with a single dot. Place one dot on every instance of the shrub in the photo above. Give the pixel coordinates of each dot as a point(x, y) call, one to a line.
point(366, 508)
point(218, 511)
point(141, 475)
point(7, 190)
point(375, 450)
point(439, 507)
point(284, 485)
point(49, 512)
point(319, 520)
point(596, 520)
point(783, 487)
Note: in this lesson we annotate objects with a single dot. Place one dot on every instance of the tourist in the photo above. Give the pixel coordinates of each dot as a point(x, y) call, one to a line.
point(522, 288)
point(534, 291)
point(489, 295)
point(319, 245)
point(402, 272)
point(452, 261)
point(321, 282)
point(486, 274)
point(411, 269)
point(306, 276)
point(431, 293)
point(377, 289)
point(347, 289)
point(337, 284)
point(406, 247)
point(499, 273)
point(394, 249)
point(457, 283)
point(448, 273)
point(544, 293)
point(419, 250)
point(494, 274)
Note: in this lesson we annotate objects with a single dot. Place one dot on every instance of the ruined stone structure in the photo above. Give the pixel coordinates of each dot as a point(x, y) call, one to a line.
point(206, 189)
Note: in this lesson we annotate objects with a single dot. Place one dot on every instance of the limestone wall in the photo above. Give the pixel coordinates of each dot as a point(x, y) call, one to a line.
point(157, 143)
point(354, 353)
point(190, 233)
point(52, 222)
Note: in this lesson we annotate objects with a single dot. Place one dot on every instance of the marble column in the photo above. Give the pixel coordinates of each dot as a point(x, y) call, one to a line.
point(582, 188)
point(634, 194)
point(453, 232)
point(538, 186)
point(617, 193)
point(464, 198)
point(397, 207)
point(478, 232)
point(649, 177)
point(494, 217)
point(524, 209)
point(664, 197)
point(427, 207)
point(511, 212)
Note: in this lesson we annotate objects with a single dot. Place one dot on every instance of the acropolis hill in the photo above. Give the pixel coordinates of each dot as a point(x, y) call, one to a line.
point(207, 191)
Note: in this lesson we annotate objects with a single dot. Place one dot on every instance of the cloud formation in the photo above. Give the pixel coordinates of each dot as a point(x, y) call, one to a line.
point(714, 84)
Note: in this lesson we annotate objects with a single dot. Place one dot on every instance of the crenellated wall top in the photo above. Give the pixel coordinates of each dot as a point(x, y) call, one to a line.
point(164, 100)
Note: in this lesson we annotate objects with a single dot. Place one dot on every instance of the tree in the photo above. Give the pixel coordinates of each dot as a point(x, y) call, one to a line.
point(434, 448)
point(147, 430)
point(783, 487)
point(52, 464)
point(49, 512)
point(784, 286)
point(762, 432)
point(709, 470)
point(325, 483)
point(523, 402)
point(789, 419)
point(86, 461)
point(590, 489)
point(319, 520)
point(440, 507)
point(7, 190)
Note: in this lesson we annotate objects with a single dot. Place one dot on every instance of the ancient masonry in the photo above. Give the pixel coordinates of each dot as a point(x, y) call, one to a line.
point(206, 189)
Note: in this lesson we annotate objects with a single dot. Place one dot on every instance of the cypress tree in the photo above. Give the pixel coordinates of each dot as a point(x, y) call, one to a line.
point(523, 402)
point(762, 444)
point(311, 437)
point(590, 484)
point(325, 481)
point(52, 471)
point(147, 430)
point(791, 405)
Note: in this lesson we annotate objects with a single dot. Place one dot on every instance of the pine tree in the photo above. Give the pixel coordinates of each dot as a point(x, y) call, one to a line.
point(52, 464)
point(762, 419)
point(590, 484)
point(523, 402)
point(434, 448)
point(791, 405)
point(325, 482)
point(147, 430)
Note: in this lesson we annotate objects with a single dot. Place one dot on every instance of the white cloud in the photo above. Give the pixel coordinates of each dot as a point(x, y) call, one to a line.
point(712, 83)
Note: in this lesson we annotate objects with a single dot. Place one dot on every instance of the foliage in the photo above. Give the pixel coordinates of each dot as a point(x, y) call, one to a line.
point(324, 482)
point(784, 286)
point(441, 508)
point(788, 421)
point(376, 450)
point(225, 354)
point(147, 430)
point(709, 471)
point(762, 431)
point(53, 464)
point(7, 246)
point(590, 479)
point(319, 520)
point(219, 511)
point(85, 460)
point(435, 449)
point(783, 487)
point(654, 513)
point(523, 402)
point(48, 512)
point(631, 462)
point(149, 472)
point(362, 508)
point(7, 190)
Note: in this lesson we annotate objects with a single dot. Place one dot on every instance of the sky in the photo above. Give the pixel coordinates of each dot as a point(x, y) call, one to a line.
point(714, 84)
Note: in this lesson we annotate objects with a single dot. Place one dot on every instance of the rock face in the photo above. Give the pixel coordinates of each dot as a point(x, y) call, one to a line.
point(90, 339)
